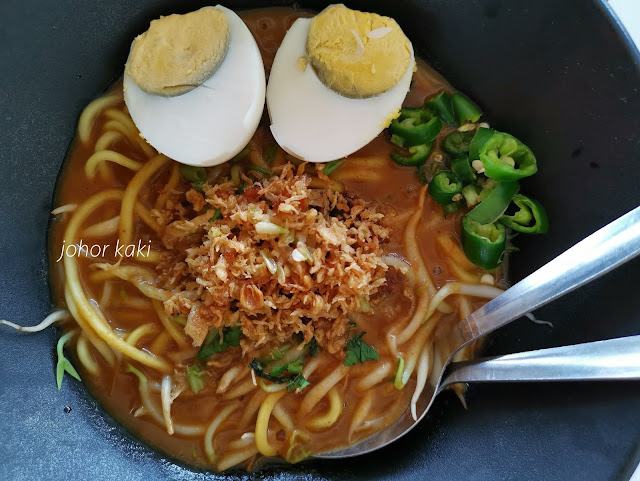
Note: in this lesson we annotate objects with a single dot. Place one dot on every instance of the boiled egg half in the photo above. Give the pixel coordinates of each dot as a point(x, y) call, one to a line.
point(194, 85)
point(337, 81)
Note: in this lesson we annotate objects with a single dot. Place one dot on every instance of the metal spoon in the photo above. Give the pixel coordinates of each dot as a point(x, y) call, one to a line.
point(602, 251)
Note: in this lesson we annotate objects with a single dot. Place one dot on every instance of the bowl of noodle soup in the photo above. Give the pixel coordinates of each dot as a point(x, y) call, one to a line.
point(191, 359)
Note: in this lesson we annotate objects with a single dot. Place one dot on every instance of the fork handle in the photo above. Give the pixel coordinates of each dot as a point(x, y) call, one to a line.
point(602, 251)
point(614, 359)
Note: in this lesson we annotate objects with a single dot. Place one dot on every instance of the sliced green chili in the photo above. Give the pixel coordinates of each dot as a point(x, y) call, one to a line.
point(241, 155)
point(442, 106)
point(419, 154)
point(420, 114)
point(491, 208)
point(483, 244)
point(444, 186)
point(457, 143)
point(415, 133)
point(479, 139)
point(506, 158)
point(397, 140)
point(463, 170)
point(465, 110)
point(531, 218)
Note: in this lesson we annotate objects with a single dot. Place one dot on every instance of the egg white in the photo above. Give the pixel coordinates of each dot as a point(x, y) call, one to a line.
point(311, 121)
point(213, 122)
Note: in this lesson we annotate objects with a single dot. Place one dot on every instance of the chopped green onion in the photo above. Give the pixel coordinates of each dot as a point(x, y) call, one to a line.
point(196, 175)
point(301, 253)
point(194, 375)
point(63, 363)
point(329, 167)
point(236, 170)
point(269, 262)
point(364, 305)
point(179, 320)
point(264, 227)
point(215, 342)
point(264, 170)
point(241, 155)
point(280, 274)
point(216, 215)
point(298, 382)
point(270, 154)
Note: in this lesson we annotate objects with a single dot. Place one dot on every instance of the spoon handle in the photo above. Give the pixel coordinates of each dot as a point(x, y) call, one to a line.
point(615, 359)
point(602, 251)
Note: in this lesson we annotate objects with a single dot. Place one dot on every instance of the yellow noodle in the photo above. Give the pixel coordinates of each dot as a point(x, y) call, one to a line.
point(160, 343)
point(64, 208)
point(133, 136)
point(130, 197)
point(334, 185)
point(272, 387)
point(139, 332)
point(145, 214)
point(174, 331)
point(85, 309)
point(89, 114)
point(172, 183)
point(85, 357)
point(102, 347)
point(262, 424)
point(109, 156)
point(327, 419)
point(208, 436)
point(374, 377)
point(319, 389)
point(106, 139)
point(149, 257)
point(311, 366)
point(105, 298)
point(102, 229)
point(139, 276)
point(348, 174)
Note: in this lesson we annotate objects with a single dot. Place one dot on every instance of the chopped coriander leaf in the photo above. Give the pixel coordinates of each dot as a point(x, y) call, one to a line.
point(215, 343)
point(258, 368)
point(270, 154)
point(297, 382)
point(216, 215)
point(194, 375)
point(197, 176)
point(63, 363)
point(359, 351)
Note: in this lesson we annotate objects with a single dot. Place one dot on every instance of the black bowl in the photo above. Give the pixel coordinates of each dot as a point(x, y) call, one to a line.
point(562, 76)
